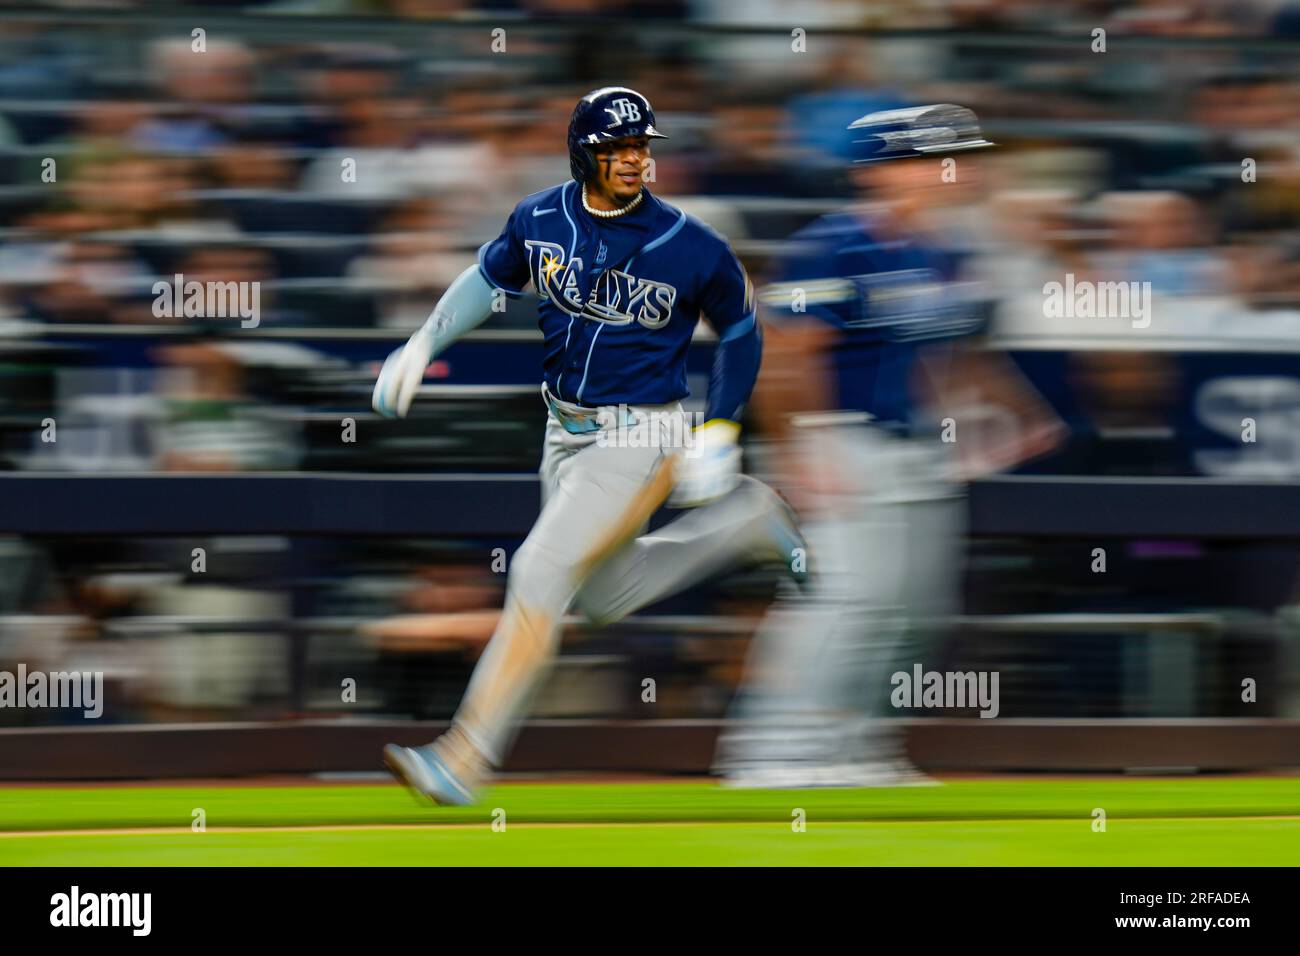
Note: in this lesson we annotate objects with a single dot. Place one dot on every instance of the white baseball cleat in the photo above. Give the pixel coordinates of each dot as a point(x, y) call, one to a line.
point(424, 772)
point(882, 773)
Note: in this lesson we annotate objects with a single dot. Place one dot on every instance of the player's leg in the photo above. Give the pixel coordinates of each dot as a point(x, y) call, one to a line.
point(926, 532)
point(795, 711)
point(749, 525)
point(816, 691)
point(596, 498)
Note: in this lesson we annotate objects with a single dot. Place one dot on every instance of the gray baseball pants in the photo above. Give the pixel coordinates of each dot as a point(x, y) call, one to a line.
point(588, 549)
point(884, 550)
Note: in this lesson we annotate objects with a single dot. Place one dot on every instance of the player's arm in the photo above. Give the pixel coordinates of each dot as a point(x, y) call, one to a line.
point(712, 465)
point(466, 305)
point(802, 314)
point(463, 307)
point(966, 374)
point(728, 306)
point(802, 310)
point(796, 377)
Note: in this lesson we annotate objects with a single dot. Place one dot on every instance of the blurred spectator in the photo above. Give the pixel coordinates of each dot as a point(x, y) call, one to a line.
point(745, 153)
point(251, 270)
point(1163, 238)
point(375, 158)
point(411, 262)
point(254, 164)
point(211, 423)
point(133, 191)
point(212, 90)
point(227, 166)
point(92, 282)
point(848, 86)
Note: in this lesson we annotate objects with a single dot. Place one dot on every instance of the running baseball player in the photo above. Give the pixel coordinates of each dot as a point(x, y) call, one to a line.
point(863, 362)
point(621, 279)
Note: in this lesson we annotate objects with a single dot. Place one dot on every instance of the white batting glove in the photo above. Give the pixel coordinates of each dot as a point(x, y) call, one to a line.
point(709, 469)
point(401, 375)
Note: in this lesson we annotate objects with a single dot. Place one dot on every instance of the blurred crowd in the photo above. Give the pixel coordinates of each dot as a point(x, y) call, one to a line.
point(372, 169)
point(351, 173)
point(1164, 17)
point(351, 167)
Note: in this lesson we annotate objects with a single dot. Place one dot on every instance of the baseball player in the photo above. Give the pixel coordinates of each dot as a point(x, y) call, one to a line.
point(621, 279)
point(863, 359)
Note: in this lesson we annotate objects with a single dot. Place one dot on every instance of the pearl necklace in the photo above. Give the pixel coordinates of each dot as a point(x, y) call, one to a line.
point(610, 213)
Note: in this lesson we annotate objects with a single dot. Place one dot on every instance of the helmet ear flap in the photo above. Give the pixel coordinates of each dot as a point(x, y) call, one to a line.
point(582, 164)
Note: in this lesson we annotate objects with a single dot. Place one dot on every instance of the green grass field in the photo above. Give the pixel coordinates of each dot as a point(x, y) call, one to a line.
point(1149, 822)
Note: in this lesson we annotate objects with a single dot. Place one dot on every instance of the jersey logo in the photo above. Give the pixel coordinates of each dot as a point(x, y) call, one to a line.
point(623, 111)
point(617, 298)
point(542, 212)
point(910, 305)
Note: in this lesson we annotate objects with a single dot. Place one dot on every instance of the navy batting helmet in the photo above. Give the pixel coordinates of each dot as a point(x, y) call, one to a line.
point(915, 131)
point(603, 115)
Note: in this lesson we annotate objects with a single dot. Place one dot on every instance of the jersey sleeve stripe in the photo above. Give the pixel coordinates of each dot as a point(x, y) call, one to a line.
point(564, 204)
point(672, 231)
point(743, 327)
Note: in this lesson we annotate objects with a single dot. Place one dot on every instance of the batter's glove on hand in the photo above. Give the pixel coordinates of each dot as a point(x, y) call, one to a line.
point(401, 375)
point(710, 468)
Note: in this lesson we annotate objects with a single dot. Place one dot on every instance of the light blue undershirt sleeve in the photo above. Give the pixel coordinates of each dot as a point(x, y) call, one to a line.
point(465, 306)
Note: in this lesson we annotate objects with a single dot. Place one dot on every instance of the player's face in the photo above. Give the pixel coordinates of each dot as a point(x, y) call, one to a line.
point(620, 168)
point(921, 182)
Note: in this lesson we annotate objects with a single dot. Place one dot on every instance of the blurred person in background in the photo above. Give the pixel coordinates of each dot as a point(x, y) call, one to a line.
point(1034, 237)
point(458, 143)
point(1163, 238)
point(526, 160)
point(212, 90)
point(748, 155)
point(862, 353)
point(816, 122)
point(93, 283)
point(743, 57)
point(251, 272)
point(378, 139)
point(427, 650)
point(102, 131)
point(327, 77)
point(212, 423)
point(129, 191)
point(412, 259)
point(254, 163)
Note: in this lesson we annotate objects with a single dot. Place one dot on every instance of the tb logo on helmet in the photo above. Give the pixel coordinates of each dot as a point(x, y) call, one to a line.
point(623, 111)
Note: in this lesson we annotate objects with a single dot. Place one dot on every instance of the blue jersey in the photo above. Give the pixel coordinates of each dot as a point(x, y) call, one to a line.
point(619, 298)
point(886, 297)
